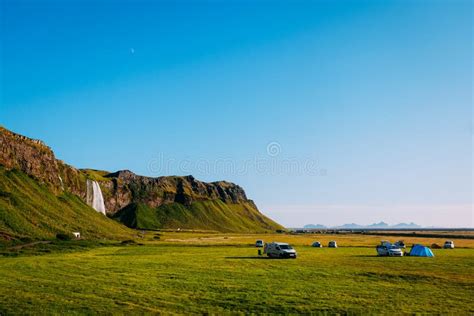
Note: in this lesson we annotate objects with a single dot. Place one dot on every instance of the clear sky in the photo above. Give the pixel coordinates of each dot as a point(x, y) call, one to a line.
point(326, 112)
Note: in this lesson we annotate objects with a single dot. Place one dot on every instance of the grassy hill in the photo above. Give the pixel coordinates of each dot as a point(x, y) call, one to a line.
point(30, 209)
point(206, 215)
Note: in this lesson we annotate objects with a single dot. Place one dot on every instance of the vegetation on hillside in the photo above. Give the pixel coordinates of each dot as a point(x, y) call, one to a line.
point(96, 175)
point(205, 215)
point(30, 209)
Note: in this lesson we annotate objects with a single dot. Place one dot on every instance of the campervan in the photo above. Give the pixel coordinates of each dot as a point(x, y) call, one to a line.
point(279, 250)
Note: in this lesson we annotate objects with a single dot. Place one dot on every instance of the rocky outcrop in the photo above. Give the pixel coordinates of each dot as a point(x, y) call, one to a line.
point(37, 160)
point(125, 187)
point(30, 156)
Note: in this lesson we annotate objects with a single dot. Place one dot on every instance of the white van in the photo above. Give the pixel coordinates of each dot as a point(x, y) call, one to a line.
point(279, 250)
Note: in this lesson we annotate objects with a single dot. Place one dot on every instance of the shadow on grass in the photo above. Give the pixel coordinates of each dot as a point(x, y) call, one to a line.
point(376, 256)
point(249, 257)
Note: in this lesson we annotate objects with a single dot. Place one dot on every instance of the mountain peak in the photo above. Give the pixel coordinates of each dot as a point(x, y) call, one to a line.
point(121, 174)
point(379, 225)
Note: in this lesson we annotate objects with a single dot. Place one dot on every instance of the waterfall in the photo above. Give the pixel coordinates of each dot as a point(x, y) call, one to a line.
point(94, 196)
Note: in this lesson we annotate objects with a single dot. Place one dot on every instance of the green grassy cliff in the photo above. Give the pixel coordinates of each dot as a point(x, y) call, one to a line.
point(30, 209)
point(182, 202)
point(205, 215)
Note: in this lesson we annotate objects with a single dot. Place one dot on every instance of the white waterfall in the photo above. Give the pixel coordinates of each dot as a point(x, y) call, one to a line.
point(94, 196)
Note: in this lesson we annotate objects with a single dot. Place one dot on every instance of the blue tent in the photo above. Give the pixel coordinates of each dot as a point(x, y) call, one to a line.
point(421, 251)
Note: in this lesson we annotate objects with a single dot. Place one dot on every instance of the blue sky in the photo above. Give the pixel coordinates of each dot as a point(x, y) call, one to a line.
point(324, 111)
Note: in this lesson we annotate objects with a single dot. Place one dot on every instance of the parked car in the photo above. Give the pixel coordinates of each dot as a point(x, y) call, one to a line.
point(332, 244)
point(279, 250)
point(400, 244)
point(259, 243)
point(449, 244)
point(317, 244)
point(385, 249)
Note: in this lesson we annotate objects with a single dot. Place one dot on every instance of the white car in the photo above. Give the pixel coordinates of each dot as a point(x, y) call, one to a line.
point(389, 250)
point(279, 250)
point(394, 251)
point(259, 243)
point(332, 244)
point(449, 244)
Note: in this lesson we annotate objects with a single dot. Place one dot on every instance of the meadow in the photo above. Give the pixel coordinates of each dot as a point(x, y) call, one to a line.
point(222, 273)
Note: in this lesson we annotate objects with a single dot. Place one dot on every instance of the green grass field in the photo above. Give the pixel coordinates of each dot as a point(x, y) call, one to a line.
point(219, 273)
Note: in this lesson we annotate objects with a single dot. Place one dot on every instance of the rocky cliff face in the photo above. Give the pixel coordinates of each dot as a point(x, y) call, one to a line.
point(37, 160)
point(120, 189)
point(124, 187)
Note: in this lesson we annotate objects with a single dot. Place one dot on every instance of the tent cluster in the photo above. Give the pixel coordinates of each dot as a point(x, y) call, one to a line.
point(421, 251)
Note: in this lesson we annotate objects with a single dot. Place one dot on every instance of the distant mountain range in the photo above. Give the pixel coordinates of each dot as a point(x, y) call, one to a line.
point(381, 225)
point(314, 226)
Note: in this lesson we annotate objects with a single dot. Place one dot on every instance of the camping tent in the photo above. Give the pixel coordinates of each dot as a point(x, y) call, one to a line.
point(421, 251)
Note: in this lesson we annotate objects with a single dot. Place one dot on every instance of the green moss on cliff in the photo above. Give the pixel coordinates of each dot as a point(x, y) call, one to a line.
point(96, 175)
